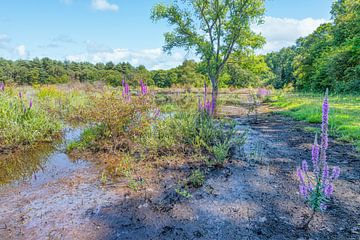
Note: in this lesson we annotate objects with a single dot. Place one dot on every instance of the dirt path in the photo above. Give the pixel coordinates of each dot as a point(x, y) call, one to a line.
point(253, 197)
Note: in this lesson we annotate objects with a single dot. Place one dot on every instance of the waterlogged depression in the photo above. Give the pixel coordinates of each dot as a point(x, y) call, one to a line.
point(41, 164)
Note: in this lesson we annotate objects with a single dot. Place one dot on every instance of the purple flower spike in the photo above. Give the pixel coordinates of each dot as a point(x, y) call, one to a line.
point(335, 173)
point(20, 95)
point(2, 86)
point(304, 165)
point(300, 176)
point(328, 191)
point(30, 104)
point(144, 89)
point(303, 191)
point(325, 173)
point(323, 181)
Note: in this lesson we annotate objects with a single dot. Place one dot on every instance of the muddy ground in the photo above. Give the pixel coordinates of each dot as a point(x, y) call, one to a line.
point(255, 196)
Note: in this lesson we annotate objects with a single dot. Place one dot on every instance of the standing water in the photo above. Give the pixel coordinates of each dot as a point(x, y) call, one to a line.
point(41, 164)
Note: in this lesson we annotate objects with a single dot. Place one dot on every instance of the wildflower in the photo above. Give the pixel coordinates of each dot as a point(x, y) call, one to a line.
point(207, 106)
point(315, 154)
point(144, 89)
point(20, 95)
point(335, 173)
point(303, 191)
point(262, 92)
point(126, 90)
point(30, 104)
point(300, 176)
point(328, 190)
point(2, 86)
point(305, 166)
point(325, 173)
point(318, 193)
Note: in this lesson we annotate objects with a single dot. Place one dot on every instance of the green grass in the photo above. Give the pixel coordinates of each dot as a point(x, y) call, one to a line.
point(344, 117)
point(22, 125)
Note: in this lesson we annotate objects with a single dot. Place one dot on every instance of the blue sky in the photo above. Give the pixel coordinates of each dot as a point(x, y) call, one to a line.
point(121, 30)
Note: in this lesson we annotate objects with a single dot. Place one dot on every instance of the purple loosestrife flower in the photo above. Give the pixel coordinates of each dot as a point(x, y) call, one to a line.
point(335, 173)
point(2, 86)
point(144, 89)
point(126, 91)
point(303, 191)
point(300, 176)
point(20, 95)
point(318, 194)
point(328, 190)
point(315, 151)
point(325, 173)
point(305, 166)
point(199, 105)
point(30, 104)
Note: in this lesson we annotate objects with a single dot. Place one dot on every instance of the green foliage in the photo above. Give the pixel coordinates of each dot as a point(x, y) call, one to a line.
point(196, 178)
point(328, 58)
point(214, 29)
point(87, 138)
point(183, 192)
point(344, 113)
point(221, 152)
point(22, 125)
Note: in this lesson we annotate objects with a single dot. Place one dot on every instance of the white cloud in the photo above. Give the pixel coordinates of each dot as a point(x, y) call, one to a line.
point(150, 58)
point(283, 32)
point(21, 51)
point(4, 40)
point(104, 5)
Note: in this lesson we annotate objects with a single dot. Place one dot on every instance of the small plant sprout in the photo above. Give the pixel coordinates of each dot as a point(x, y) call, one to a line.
point(318, 187)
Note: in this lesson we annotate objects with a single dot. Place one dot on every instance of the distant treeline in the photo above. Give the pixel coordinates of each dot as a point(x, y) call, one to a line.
point(327, 58)
point(239, 73)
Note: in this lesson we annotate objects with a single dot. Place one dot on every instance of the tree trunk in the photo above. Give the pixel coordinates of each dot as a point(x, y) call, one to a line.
point(214, 94)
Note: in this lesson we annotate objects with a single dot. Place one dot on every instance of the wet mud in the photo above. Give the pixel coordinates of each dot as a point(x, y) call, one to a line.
point(254, 196)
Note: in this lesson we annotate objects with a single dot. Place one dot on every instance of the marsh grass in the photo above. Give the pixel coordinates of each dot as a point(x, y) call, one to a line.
point(344, 122)
point(22, 124)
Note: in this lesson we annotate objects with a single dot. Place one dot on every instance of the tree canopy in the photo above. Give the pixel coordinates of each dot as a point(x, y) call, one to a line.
point(213, 28)
point(327, 58)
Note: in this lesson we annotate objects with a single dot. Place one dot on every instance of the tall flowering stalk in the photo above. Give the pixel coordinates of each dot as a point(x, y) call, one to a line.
point(2, 86)
point(144, 88)
point(206, 106)
point(318, 189)
point(126, 90)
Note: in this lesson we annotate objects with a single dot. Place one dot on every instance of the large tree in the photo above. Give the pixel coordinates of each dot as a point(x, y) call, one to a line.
point(213, 28)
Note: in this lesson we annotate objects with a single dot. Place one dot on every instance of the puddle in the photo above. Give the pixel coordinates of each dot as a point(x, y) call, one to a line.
point(42, 164)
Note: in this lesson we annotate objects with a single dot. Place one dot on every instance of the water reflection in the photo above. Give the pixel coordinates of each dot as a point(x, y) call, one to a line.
point(41, 163)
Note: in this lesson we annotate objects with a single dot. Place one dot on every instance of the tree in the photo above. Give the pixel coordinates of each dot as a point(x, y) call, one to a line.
point(213, 28)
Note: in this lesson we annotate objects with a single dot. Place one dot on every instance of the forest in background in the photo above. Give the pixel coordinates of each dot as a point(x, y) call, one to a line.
point(327, 58)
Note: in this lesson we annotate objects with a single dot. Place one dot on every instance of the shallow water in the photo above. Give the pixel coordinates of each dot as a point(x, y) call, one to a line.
point(42, 163)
